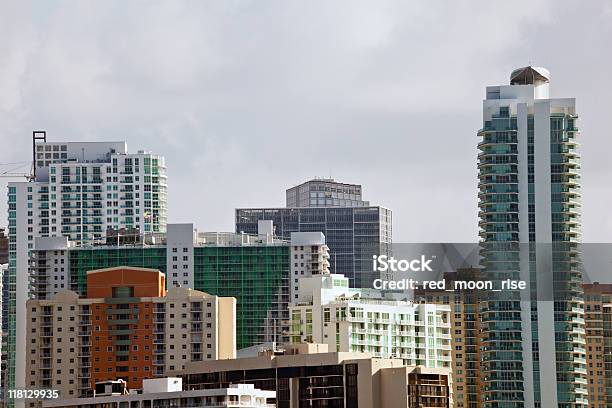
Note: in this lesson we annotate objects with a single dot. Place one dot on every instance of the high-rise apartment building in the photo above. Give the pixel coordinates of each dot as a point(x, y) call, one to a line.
point(128, 327)
point(321, 192)
point(327, 311)
point(3, 372)
point(353, 234)
point(598, 321)
point(4, 245)
point(529, 189)
point(255, 269)
point(466, 344)
point(307, 375)
point(79, 190)
point(4, 283)
point(309, 256)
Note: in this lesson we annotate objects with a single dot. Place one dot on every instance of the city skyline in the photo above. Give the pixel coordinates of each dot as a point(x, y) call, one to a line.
point(354, 87)
point(320, 201)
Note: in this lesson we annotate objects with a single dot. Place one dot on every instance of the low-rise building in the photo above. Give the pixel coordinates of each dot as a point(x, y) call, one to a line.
point(307, 375)
point(128, 327)
point(366, 320)
point(167, 392)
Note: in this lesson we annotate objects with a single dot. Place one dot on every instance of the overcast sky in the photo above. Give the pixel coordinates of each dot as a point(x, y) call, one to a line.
point(246, 98)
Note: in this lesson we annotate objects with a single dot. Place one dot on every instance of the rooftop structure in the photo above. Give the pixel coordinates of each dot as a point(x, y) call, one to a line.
point(309, 375)
point(156, 394)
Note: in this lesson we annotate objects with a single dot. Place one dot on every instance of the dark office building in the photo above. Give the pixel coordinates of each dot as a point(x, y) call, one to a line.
point(353, 234)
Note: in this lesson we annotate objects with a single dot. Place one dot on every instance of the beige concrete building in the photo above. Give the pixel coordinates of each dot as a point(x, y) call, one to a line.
point(598, 323)
point(127, 328)
point(309, 375)
point(309, 256)
point(190, 325)
point(465, 335)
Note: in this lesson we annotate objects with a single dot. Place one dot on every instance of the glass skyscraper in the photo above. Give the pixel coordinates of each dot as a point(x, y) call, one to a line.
point(353, 234)
point(529, 188)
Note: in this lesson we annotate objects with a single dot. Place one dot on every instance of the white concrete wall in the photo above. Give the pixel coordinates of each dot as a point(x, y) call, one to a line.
point(180, 237)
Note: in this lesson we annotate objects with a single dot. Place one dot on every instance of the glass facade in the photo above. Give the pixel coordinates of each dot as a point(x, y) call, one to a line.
point(353, 235)
point(87, 259)
point(257, 276)
point(499, 214)
point(9, 320)
point(505, 251)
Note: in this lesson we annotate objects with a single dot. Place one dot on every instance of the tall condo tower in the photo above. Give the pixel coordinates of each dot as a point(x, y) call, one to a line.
point(79, 190)
point(529, 211)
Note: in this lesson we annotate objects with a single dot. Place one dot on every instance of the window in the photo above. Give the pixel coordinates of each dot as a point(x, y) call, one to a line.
point(123, 291)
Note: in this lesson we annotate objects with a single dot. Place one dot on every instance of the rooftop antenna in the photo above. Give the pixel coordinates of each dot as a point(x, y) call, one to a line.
point(36, 135)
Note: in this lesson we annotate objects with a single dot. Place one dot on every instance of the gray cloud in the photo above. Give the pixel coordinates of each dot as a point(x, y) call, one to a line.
point(246, 98)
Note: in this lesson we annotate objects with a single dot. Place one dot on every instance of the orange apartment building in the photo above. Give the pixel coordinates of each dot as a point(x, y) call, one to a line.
point(128, 327)
point(122, 326)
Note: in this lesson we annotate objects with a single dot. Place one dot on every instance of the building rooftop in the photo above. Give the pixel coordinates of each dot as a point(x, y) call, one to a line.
point(529, 76)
